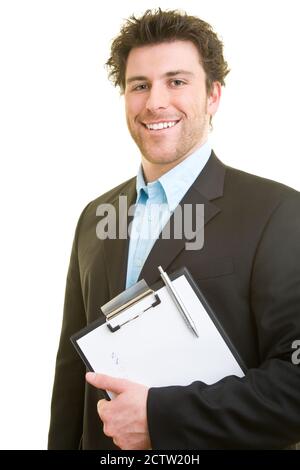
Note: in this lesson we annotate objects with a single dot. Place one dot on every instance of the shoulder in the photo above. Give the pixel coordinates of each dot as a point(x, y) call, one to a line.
point(106, 198)
point(257, 190)
point(111, 195)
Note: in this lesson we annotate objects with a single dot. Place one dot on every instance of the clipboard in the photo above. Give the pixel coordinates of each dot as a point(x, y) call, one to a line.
point(143, 338)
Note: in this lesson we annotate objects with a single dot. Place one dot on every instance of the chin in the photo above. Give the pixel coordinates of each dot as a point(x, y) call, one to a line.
point(161, 156)
point(161, 159)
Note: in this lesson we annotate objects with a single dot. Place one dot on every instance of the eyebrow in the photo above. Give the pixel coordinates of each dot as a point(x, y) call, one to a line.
point(172, 73)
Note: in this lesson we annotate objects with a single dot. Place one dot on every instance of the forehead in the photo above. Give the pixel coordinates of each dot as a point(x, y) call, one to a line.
point(162, 57)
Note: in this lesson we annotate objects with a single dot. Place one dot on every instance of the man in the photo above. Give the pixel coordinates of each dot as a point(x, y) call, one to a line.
point(170, 67)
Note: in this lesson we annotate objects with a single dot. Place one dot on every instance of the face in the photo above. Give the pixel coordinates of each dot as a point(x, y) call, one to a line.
point(167, 106)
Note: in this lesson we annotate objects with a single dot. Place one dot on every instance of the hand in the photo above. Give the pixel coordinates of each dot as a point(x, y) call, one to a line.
point(125, 416)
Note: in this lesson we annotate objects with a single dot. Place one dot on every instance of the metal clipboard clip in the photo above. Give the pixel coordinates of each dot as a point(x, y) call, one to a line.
point(125, 300)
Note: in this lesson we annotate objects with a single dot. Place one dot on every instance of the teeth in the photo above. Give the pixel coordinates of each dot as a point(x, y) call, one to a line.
point(161, 125)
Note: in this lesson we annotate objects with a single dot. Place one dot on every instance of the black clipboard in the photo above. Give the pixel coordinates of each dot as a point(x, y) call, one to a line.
point(141, 290)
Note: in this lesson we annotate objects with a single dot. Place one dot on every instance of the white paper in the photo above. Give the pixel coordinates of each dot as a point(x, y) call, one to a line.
point(158, 348)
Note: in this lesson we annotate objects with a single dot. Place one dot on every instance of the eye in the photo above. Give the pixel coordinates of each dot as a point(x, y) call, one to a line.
point(141, 87)
point(177, 82)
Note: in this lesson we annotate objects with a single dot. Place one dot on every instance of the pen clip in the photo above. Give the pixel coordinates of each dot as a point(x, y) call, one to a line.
point(177, 300)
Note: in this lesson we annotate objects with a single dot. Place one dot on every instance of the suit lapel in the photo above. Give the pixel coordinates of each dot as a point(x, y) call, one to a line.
point(116, 250)
point(207, 187)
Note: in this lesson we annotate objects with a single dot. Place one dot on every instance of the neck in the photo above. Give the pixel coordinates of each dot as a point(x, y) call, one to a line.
point(154, 170)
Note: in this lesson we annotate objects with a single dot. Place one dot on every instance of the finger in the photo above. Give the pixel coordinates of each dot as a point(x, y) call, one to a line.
point(101, 403)
point(101, 406)
point(106, 382)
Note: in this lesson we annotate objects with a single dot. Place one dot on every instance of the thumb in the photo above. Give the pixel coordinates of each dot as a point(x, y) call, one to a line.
point(106, 382)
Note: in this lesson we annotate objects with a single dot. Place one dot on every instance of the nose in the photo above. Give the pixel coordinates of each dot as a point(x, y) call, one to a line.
point(158, 98)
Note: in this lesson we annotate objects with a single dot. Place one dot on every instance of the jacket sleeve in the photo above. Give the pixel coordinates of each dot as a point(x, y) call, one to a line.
point(68, 391)
point(260, 410)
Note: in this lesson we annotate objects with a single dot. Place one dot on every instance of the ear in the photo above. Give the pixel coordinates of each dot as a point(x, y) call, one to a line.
point(213, 98)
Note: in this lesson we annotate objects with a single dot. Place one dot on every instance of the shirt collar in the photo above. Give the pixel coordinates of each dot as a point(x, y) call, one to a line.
point(177, 181)
point(140, 183)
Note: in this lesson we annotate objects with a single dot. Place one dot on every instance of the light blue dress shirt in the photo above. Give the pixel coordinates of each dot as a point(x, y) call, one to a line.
point(155, 203)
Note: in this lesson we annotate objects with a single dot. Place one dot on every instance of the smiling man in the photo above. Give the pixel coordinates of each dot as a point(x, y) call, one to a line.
point(168, 108)
point(170, 68)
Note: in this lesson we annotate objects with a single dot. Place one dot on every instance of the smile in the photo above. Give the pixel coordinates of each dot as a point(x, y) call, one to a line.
point(159, 126)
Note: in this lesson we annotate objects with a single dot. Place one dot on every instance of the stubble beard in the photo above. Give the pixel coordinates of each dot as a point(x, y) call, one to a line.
point(188, 141)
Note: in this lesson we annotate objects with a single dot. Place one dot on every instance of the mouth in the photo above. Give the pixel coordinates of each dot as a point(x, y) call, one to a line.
point(160, 127)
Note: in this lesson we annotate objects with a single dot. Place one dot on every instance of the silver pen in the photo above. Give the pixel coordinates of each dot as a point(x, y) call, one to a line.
point(177, 300)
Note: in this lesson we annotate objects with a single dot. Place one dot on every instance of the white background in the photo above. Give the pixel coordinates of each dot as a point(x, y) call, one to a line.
point(64, 141)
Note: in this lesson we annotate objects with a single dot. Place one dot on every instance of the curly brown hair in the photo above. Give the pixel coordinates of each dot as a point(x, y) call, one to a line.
point(157, 26)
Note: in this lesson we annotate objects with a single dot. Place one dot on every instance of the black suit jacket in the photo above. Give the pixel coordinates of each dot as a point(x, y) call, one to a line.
point(249, 271)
